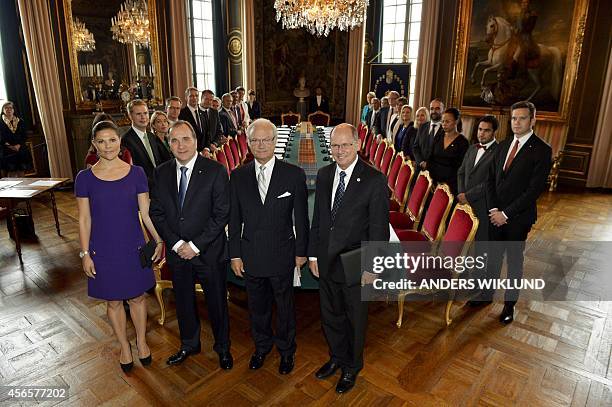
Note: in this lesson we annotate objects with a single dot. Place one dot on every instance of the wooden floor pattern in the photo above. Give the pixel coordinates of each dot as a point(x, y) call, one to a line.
point(554, 354)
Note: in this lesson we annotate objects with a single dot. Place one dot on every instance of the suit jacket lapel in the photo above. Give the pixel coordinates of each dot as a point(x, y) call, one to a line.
point(353, 185)
point(252, 188)
point(173, 185)
point(517, 158)
point(274, 183)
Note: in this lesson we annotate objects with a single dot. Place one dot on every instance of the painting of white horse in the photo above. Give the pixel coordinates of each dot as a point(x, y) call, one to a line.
point(517, 50)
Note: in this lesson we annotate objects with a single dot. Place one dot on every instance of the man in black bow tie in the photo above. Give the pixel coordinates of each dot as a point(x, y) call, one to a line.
point(474, 171)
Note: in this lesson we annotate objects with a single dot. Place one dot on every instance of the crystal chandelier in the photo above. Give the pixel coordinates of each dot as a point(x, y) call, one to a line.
point(321, 16)
point(83, 39)
point(131, 24)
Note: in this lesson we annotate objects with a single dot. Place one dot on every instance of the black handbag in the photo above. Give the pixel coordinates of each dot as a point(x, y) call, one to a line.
point(24, 223)
point(146, 252)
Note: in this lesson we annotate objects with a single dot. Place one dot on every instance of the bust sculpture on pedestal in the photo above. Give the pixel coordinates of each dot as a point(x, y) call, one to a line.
point(302, 92)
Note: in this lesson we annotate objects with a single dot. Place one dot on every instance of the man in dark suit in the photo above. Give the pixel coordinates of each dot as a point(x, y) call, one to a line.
point(384, 113)
point(350, 207)
point(192, 114)
point(227, 117)
point(268, 199)
point(517, 177)
point(212, 131)
point(147, 150)
point(474, 172)
point(318, 102)
point(373, 116)
point(190, 208)
point(423, 142)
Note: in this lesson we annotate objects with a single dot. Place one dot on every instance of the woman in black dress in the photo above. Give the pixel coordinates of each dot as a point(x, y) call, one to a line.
point(16, 157)
point(448, 150)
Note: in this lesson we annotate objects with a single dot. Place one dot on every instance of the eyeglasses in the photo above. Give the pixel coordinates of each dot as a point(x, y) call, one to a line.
point(263, 141)
point(344, 146)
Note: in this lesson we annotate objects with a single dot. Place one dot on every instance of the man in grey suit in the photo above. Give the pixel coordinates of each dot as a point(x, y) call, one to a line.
point(423, 142)
point(474, 171)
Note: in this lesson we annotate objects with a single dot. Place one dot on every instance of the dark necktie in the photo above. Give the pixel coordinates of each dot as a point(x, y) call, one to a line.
point(511, 156)
point(338, 197)
point(182, 186)
point(196, 114)
point(434, 129)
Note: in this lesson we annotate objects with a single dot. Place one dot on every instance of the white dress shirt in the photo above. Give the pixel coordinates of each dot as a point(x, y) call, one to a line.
point(319, 97)
point(188, 173)
point(481, 151)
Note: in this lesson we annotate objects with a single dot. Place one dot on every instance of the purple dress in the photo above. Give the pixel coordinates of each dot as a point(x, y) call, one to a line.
point(116, 234)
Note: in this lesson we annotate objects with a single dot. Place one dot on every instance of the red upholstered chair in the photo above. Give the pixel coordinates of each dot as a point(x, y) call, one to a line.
point(414, 209)
point(435, 217)
point(365, 148)
point(230, 157)
point(372, 150)
point(243, 145)
point(400, 190)
point(235, 152)
point(163, 277)
point(456, 241)
point(319, 118)
point(394, 170)
point(387, 158)
point(362, 131)
point(380, 152)
point(290, 119)
point(221, 158)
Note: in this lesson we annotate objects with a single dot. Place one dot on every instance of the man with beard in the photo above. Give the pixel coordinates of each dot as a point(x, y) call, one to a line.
point(423, 143)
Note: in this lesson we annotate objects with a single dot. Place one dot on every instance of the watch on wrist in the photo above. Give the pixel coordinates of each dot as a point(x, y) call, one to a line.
point(83, 253)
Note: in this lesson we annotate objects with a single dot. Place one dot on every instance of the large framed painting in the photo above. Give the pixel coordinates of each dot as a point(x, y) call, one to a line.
point(511, 50)
point(387, 77)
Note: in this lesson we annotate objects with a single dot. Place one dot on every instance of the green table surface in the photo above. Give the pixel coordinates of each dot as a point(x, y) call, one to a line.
point(309, 282)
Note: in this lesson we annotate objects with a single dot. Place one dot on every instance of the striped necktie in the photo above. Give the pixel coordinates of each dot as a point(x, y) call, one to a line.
point(338, 197)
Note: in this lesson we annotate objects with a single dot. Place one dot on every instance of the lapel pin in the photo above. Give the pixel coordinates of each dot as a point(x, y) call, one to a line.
point(358, 179)
point(199, 171)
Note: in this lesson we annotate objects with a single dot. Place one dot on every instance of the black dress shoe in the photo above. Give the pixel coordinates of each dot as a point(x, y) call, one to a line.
point(477, 303)
point(257, 360)
point(181, 355)
point(327, 370)
point(507, 314)
point(286, 364)
point(226, 361)
point(346, 382)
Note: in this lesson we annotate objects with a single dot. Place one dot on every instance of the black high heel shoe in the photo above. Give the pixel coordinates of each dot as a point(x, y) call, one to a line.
point(127, 367)
point(146, 361)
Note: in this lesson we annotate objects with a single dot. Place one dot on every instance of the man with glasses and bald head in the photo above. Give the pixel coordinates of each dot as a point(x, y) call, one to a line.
point(351, 207)
point(268, 238)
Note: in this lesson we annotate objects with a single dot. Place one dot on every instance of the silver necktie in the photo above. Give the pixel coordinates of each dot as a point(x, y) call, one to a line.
point(261, 183)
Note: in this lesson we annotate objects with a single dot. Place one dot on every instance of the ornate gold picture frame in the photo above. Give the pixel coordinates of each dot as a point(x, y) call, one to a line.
point(505, 41)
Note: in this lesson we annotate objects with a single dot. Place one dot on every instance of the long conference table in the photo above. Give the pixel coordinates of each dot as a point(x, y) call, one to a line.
point(310, 151)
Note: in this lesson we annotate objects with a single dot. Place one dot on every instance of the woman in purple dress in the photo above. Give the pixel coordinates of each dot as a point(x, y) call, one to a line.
point(109, 196)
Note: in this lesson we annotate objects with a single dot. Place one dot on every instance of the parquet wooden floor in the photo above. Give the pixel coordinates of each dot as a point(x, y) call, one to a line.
point(554, 354)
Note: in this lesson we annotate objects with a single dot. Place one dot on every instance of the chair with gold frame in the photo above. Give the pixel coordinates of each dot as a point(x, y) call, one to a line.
point(290, 119)
point(399, 193)
point(435, 217)
point(319, 118)
point(410, 218)
point(455, 242)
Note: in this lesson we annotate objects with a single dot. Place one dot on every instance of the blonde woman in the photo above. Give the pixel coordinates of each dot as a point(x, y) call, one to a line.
point(421, 116)
point(160, 126)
